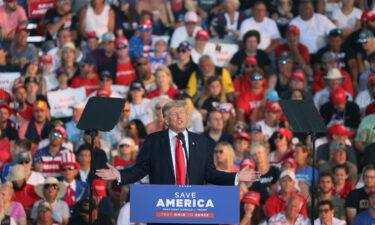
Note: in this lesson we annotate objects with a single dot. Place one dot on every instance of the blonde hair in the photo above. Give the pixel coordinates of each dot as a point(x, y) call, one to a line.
point(235, 2)
point(256, 146)
point(229, 151)
point(165, 69)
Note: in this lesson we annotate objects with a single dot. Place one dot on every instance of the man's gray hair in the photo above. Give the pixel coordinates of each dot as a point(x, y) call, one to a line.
point(291, 198)
point(172, 104)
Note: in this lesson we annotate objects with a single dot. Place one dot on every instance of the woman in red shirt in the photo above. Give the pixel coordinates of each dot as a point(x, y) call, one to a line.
point(164, 84)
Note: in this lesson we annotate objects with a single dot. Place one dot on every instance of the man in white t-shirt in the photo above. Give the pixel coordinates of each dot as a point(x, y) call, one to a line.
point(186, 32)
point(314, 26)
point(270, 35)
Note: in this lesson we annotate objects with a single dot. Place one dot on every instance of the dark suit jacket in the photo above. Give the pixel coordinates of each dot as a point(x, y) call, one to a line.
point(155, 160)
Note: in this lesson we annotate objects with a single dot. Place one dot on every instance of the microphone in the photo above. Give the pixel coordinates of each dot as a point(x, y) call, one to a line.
point(182, 138)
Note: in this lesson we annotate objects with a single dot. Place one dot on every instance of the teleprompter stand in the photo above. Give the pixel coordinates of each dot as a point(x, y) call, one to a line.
point(304, 118)
point(100, 114)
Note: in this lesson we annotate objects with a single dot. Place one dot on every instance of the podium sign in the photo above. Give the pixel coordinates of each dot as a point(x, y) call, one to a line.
point(206, 204)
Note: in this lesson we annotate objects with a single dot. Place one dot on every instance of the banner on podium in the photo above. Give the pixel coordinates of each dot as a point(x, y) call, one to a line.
point(206, 204)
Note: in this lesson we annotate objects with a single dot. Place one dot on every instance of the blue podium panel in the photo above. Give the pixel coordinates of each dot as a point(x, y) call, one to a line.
point(207, 204)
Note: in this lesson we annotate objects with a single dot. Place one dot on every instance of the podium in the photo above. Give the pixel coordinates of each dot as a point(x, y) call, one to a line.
point(198, 204)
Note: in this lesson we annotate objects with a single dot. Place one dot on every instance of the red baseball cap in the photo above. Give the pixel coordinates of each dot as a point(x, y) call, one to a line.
point(291, 161)
point(247, 162)
point(293, 29)
point(46, 58)
point(370, 109)
point(368, 15)
point(99, 188)
point(5, 105)
point(59, 129)
point(298, 75)
point(272, 106)
point(242, 135)
point(339, 128)
point(252, 197)
point(121, 42)
point(285, 132)
point(251, 60)
point(371, 79)
point(145, 25)
point(202, 34)
point(91, 34)
point(338, 96)
point(4, 96)
point(15, 87)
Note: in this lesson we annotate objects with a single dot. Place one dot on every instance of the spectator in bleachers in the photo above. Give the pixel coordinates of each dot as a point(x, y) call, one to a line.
point(60, 17)
point(184, 67)
point(23, 193)
point(68, 56)
point(343, 56)
point(107, 52)
point(92, 43)
point(83, 154)
point(105, 83)
point(299, 52)
point(367, 46)
point(52, 191)
point(32, 89)
point(347, 17)
point(357, 200)
point(254, 214)
point(340, 109)
point(76, 190)
point(62, 76)
point(7, 127)
point(81, 217)
point(326, 194)
point(13, 209)
point(45, 65)
point(336, 132)
point(224, 157)
point(278, 202)
point(144, 74)
point(140, 45)
point(241, 144)
point(63, 36)
point(283, 14)
point(242, 83)
point(5, 61)
point(365, 134)
point(158, 14)
point(29, 74)
point(256, 135)
point(212, 92)
point(88, 78)
point(38, 128)
point(45, 214)
point(126, 19)
point(338, 153)
point(160, 55)
point(326, 214)
point(24, 110)
point(207, 8)
point(292, 213)
point(201, 39)
point(25, 158)
point(51, 153)
point(363, 78)
point(186, 32)
point(206, 70)
point(367, 217)
point(122, 69)
point(215, 129)
point(250, 43)
point(264, 25)
point(97, 16)
point(12, 16)
point(20, 51)
point(314, 26)
point(164, 84)
point(139, 104)
point(282, 139)
point(272, 118)
point(74, 134)
point(232, 17)
point(229, 116)
point(249, 101)
point(284, 76)
point(342, 187)
point(333, 80)
point(304, 170)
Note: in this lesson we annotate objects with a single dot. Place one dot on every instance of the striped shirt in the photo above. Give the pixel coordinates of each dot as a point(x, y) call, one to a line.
point(51, 164)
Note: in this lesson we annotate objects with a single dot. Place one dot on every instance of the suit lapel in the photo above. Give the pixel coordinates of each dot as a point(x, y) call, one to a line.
point(166, 151)
point(192, 152)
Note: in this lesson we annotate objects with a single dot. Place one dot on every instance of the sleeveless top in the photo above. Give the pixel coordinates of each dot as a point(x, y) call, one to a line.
point(97, 22)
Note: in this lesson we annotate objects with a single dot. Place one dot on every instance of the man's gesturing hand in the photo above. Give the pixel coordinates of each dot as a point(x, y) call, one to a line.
point(108, 174)
point(248, 175)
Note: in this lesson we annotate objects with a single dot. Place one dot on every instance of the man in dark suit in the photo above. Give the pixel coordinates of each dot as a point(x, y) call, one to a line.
point(163, 157)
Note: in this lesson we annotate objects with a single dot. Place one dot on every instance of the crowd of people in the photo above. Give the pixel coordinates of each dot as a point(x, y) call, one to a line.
point(231, 61)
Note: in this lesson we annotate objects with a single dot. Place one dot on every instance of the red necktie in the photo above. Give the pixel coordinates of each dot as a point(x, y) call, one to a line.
point(69, 196)
point(180, 163)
